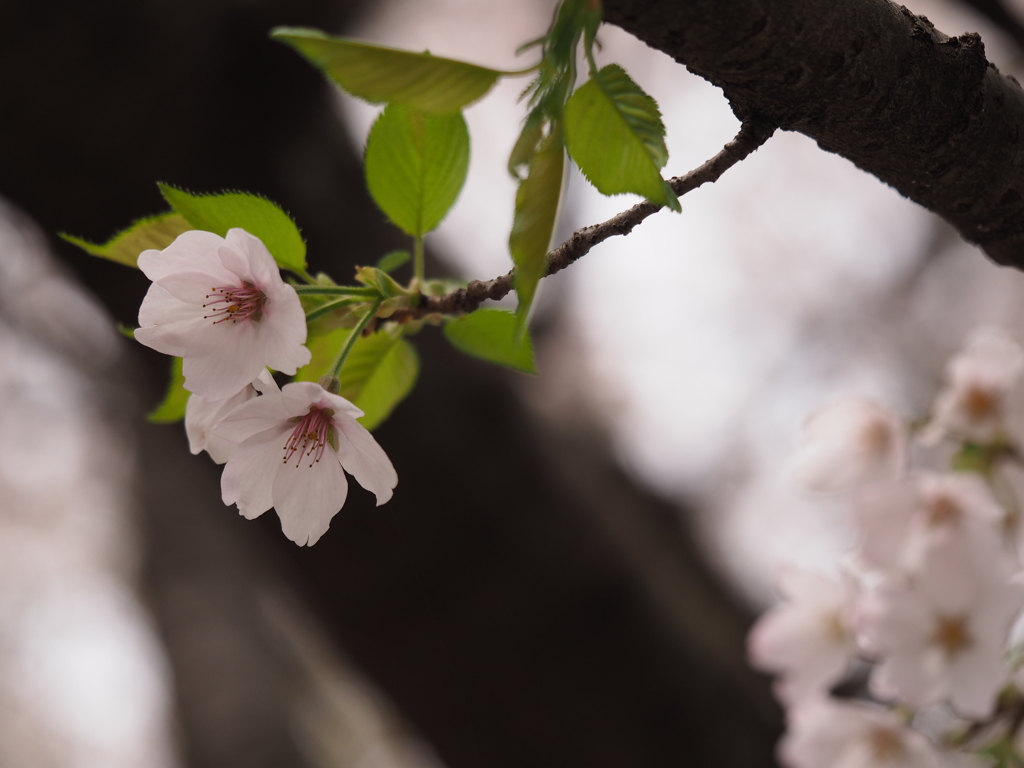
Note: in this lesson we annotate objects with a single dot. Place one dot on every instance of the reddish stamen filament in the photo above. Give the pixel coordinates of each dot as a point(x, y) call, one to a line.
point(236, 303)
point(310, 436)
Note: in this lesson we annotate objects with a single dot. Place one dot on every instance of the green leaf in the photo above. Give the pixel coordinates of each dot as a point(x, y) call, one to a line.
point(614, 133)
point(389, 262)
point(379, 373)
point(151, 232)
point(380, 74)
point(492, 335)
point(534, 222)
point(173, 406)
point(526, 145)
point(258, 216)
point(416, 165)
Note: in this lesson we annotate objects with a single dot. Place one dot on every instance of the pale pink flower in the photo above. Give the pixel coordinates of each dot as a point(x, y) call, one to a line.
point(847, 444)
point(294, 446)
point(972, 406)
point(942, 630)
point(202, 415)
point(901, 520)
point(826, 733)
point(808, 638)
point(221, 305)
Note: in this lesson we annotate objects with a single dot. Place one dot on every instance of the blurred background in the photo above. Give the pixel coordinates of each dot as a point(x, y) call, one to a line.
point(570, 563)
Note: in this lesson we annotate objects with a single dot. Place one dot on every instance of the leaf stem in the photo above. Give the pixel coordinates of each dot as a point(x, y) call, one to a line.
point(526, 71)
point(351, 340)
point(418, 263)
point(335, 290)
point(301, 272)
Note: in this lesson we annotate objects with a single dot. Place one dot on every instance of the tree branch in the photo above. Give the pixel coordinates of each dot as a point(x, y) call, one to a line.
point(752, 134)
point(868, 80)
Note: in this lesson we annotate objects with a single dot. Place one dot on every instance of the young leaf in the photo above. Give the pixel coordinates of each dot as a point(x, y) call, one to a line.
point(526, 145)
point(614, 133)
point(256, 215)
point(492, 335)
point(534, 222)
point(378, 374)
point(379, 74)
point(151, 232)
point(416, 165)
point(392, 260)
point(172, 408)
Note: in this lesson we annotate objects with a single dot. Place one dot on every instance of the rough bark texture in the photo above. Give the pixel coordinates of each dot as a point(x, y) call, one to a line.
point(870, 81)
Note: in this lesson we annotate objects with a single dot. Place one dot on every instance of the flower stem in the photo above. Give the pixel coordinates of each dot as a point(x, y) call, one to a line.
point(331, 306)
point(351, 340)
point(335, 290)
point(418, 261)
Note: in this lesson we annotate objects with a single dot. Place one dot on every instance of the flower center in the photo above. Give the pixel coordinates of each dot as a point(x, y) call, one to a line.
point(980, 402)
point(311, 435)
point(885, 745)
point(834, 626)
point(876, 436)
point(951, 635)
point(234, 303)
point(942, 510)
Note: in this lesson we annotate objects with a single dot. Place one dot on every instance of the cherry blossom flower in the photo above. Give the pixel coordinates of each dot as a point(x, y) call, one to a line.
point(826, 733)
point(202, 415)
point(848, 444)
point(294, 446)
point(973, 404)
point(942, 630)
point(809, 637)
point(221, 305)
point(901, 520)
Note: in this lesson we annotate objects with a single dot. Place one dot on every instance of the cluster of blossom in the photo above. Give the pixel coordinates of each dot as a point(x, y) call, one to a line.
point(916, 630)
point(220, 304)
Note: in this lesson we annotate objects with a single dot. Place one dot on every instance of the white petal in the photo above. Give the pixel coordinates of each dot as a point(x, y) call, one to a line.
point(269, 411)
point(975, 678)
point(309, 394)
point(226, 370)
point(192, 251)
point(250, 260)
point(196, 288)
point(202, 415)
point(307, 497)
point(364, 459)
point(173, 327)
point(265, 384)
point(248, 478)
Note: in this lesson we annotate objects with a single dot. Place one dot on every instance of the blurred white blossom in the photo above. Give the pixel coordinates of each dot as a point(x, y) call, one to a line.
point(973, 403)
point(847, 444)
point(825, 733)
point(942, 631)
point(900, 520)
point(808, 638)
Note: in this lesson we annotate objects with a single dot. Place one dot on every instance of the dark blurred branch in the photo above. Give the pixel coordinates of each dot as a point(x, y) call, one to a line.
point(752, 134)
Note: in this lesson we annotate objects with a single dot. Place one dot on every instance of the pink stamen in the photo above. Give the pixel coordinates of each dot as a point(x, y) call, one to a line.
point(310, 436)
point(236, 303)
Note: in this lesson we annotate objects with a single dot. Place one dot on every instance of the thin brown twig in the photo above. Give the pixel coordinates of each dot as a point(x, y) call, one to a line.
point(752, 134)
